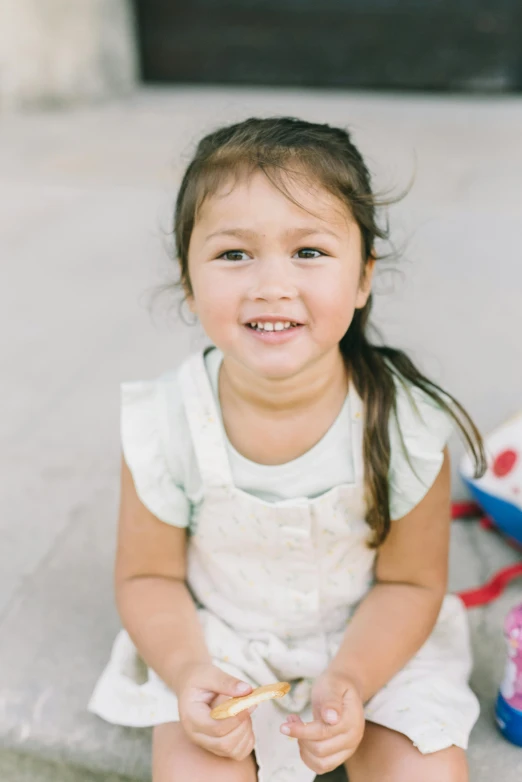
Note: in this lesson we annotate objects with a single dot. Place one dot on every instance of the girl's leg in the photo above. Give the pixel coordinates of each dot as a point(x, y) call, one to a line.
point(176, 759)
point(387, 756)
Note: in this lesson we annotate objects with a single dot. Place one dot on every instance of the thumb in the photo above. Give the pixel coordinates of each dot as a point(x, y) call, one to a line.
point(328, 704)
point(224, 684)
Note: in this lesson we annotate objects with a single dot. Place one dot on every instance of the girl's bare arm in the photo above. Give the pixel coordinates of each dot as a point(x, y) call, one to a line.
point(153, 601)
point(399, 613)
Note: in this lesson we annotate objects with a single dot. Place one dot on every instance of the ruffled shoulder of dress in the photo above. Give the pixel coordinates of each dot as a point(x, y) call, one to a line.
point(419, 433)
point(148, 415)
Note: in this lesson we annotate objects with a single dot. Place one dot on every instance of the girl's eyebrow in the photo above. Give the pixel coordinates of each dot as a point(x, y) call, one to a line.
point(296, 233)
point(242, 233)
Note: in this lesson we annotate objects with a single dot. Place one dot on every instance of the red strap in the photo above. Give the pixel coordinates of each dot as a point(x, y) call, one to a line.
point(496, 585)
point(492, 589)
point(461, 510)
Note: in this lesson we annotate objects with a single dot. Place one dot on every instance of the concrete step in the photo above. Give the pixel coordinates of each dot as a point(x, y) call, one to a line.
point(57, 634)
point(25, 768)
point(55, 640)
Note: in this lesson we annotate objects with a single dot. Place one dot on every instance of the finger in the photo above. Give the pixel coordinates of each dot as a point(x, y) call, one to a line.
point(244, 748)
point(220, 745)
point(310, 731)
point(329, 712)
point(351, 719)
point(217, 682)
point(329, 702)
point(323, 765)
point(292, 719)
point(231, 745)
point(204, 723)
point(326, 748)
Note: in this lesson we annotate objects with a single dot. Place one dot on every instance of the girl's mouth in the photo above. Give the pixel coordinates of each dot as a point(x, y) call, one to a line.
point(274, 331)
point(279, 325)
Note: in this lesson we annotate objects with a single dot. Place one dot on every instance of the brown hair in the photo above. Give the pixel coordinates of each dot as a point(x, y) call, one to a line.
point(285, 148)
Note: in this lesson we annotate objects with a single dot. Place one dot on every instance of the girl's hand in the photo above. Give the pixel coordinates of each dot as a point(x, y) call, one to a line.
point(338, 724)
point(205, 686)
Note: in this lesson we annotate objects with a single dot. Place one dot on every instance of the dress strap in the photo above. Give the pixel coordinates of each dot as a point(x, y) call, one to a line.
point(206, 428)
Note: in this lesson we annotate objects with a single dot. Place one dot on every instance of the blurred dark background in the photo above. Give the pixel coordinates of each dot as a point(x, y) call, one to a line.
point(399, 44)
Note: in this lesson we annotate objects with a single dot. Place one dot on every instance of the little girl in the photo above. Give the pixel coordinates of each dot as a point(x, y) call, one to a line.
point(285, 494)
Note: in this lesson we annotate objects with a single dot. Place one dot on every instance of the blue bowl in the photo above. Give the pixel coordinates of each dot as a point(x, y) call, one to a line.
point(509, 721)
point(506, 516)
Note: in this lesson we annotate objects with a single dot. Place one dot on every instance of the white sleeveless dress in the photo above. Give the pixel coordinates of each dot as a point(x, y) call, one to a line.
point(276, 584)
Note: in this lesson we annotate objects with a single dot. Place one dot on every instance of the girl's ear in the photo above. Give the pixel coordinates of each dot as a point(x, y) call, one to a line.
point(365, 286)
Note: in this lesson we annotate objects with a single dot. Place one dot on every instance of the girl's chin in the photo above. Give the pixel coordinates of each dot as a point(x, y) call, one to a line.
point(276, 367)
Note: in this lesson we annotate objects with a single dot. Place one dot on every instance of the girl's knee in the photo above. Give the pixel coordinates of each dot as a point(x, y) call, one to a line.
point(448, 765)
point(176, 759)
point(387, 756)
point(453, 765)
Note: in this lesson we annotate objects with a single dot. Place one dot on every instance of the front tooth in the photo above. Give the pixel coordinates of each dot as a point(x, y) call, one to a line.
point(269, 326)
point(278, 326)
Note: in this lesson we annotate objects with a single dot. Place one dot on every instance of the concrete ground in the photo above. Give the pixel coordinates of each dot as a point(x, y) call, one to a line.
point(85, 211)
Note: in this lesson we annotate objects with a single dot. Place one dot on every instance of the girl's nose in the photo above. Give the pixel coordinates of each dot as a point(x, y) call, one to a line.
point(274, 280)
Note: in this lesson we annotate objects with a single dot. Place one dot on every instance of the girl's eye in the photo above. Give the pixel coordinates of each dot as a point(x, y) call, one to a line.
point(233, 255)
point(309, 252)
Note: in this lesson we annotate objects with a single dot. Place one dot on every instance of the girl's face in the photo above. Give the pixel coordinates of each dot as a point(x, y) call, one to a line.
point(275, 286)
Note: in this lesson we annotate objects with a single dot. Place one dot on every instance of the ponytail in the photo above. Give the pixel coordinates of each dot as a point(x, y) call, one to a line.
point(374, 370)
